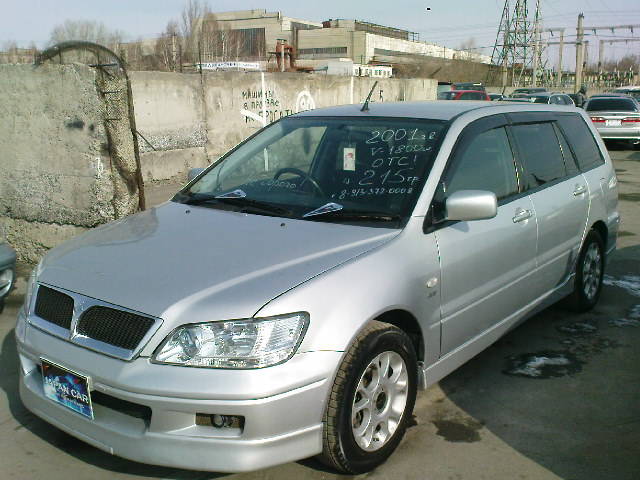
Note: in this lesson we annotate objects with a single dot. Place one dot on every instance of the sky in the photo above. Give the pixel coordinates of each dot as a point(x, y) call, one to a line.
point(446, 22)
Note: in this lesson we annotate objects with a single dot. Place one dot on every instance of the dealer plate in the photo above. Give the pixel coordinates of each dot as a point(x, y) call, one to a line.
point(67, 388)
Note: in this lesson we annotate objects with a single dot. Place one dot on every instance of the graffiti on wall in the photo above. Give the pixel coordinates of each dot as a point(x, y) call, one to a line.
point(264, 106)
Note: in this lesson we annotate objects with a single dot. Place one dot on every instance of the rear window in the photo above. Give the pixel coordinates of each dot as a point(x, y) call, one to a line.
point(610, 104)
point(540, 99)
point(581, 140)
point(540, 153)
point(446, 95)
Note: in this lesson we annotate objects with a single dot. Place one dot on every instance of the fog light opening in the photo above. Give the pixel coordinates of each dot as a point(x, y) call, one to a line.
point(220, 421)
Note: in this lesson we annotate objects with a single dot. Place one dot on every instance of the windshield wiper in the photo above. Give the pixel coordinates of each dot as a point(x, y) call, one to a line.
point(333, 210)
point(326, 208)
point(238, 198)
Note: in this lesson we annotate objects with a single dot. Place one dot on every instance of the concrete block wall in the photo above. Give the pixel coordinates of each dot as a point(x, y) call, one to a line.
point(57, 172)
point(192, 120)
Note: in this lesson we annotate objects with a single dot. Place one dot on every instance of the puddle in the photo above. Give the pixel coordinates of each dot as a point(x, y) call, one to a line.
point(577, 328)
point(630, 283)
point(463, 430)
point(625, 322)
point(544, 364)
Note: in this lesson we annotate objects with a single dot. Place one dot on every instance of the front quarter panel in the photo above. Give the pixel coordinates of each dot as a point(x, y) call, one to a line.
point(394, 276)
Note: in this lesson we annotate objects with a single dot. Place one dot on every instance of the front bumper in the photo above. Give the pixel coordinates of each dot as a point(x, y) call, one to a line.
point(7, 269)
point(282, 406)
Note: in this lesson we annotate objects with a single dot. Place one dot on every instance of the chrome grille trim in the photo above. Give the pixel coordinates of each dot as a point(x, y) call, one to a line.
point(81, 304)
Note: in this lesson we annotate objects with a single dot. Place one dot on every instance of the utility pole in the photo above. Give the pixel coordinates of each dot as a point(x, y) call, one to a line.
point(579, 53)
point(559, 81)
point(174, 52)
point(600, 61)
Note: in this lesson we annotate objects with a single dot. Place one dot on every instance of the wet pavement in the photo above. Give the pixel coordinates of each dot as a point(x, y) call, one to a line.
point(558, 397)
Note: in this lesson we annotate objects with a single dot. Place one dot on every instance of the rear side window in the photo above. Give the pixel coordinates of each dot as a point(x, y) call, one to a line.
point(569, 160)
point(611, 104)
point(485, 164)
point(540, 153)
point(582, 142)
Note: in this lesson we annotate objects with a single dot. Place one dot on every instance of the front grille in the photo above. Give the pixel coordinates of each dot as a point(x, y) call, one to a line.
point(115, 327)
point(54, 306)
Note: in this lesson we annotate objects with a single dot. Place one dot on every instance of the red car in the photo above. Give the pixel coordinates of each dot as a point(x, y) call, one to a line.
point(464, 95)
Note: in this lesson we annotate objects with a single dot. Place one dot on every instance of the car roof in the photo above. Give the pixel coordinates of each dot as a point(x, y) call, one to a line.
point(432, 110)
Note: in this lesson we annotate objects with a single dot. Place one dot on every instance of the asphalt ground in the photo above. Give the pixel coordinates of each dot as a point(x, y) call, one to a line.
point(558, 397)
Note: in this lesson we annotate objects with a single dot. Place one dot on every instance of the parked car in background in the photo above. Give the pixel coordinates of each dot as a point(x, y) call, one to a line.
point(550, 98)
point(7, 268)
point(632, 91)
point(478, 86)
point(291, 299)
point(463, 95)
point(495, 96)
point(527, 91)
point(615, 117)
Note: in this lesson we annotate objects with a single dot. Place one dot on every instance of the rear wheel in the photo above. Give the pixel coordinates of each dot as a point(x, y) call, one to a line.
point(589, 273)
point(371, 401)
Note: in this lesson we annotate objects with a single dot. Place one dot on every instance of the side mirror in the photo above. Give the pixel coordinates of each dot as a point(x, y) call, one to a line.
point(193, 173)
point(471, 205)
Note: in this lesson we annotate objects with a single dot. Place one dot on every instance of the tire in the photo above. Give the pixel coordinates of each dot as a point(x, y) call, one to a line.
point(379, 346)
point(589, 274)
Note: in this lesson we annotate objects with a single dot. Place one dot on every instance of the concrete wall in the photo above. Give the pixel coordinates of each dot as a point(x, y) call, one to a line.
point(59, 167)
point(191, 120)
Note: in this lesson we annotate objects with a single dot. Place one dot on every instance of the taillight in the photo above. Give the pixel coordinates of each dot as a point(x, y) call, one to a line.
point(631, 120)
point(597, 119)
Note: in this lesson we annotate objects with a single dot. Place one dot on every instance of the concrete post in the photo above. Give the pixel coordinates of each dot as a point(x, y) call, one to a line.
point(579, 53)
point(560, 52)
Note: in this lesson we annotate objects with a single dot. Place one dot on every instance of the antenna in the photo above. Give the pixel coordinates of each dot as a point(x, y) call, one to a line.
point(365, 106)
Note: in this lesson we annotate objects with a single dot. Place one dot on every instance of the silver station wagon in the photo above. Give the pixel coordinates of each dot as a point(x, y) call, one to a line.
point(294, 296)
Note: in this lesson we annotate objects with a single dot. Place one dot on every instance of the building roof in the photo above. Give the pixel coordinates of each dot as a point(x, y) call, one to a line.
point(434, 110)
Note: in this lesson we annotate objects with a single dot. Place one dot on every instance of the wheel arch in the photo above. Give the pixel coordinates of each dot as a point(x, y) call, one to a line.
point(603, 231)
point(406, 322)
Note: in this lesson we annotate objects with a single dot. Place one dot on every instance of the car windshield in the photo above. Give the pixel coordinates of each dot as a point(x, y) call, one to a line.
point(611, 104)
point(357, 169)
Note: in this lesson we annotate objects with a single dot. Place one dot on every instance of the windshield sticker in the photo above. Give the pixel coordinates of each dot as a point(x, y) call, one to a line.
point(349, 159)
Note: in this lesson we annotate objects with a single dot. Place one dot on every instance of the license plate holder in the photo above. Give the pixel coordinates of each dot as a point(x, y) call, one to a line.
point(613, 123)
point(67, 388)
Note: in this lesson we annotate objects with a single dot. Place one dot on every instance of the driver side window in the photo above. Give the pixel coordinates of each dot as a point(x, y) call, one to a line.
point(486, 163)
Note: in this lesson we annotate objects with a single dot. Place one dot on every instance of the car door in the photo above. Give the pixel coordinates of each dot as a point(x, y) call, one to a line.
point(485, 264)
point(559, 193)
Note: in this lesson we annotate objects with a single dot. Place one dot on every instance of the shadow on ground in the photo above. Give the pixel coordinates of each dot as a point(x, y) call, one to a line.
point(563, 388)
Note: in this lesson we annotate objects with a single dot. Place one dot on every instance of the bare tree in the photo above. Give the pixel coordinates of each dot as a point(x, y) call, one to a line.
point(191, 19)
point(167, 47)
point(86, 30)
point(468, 48)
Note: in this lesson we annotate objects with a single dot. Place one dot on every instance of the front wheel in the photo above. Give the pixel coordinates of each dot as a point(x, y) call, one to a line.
point(589, 274)
point(372, 399)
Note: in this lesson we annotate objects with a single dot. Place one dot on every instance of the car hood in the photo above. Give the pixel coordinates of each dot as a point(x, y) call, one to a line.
point(208, 264)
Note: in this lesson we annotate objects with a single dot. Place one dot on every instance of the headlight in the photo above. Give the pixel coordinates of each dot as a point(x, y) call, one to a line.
point(253, 343)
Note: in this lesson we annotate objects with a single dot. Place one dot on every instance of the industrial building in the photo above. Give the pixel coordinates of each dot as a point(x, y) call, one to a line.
point(256, 33)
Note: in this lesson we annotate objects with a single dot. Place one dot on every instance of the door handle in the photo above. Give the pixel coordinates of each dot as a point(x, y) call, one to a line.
point(522, 215)
point(580, 189)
